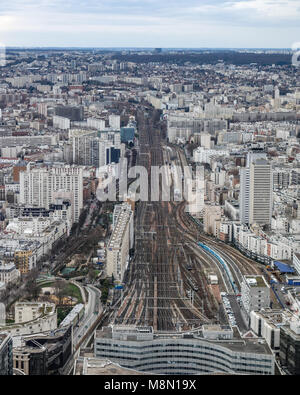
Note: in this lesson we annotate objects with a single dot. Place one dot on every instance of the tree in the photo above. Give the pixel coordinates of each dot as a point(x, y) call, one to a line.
point(60, 290)
point(92, 274)
point(32, 289)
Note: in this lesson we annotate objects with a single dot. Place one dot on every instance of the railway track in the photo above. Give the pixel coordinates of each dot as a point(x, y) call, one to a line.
point(158, 278)
point(158, 267)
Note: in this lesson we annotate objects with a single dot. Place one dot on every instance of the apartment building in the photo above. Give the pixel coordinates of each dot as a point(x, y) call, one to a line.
point(20, 141)
point(73, 113)
point(32, 318)
point(244, 197)
point(8, 272)
point(40, 186)
point(255, 293)
point(120, 243)
point(115, 122)
point(96, 123)
point(212, 216)
point(30, 311)
point(261, 192)
point(90, 150)
point(81, 145)
point(61, 122)
point(267, 323)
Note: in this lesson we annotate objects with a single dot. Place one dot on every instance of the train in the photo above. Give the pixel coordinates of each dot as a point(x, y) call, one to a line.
point(192, 284)
point(223, 263)
point(195, 220)
point(74, 316)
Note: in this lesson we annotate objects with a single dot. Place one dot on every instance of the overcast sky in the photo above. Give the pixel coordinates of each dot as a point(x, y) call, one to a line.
point(150, 23)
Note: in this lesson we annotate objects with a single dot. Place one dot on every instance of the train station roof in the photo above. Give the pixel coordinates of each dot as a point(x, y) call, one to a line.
point(283, 267)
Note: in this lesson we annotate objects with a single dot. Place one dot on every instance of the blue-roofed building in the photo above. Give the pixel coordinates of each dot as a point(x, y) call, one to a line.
point(127, 134)
point(283, 267)
point(292, 279)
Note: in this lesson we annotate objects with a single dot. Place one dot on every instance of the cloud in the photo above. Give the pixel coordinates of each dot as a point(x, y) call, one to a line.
point(198, 21)
point(287, 10)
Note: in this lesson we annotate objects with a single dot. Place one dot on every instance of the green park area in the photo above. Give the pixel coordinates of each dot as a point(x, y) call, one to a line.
point(64, 289)
point(73, 291)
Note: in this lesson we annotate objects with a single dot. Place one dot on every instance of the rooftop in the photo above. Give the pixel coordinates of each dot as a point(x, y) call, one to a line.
point(91, 366)
point(258, 346)
point(284, 268)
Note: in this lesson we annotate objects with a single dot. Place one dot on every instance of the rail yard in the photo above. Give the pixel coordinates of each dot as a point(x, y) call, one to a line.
point(166, 284)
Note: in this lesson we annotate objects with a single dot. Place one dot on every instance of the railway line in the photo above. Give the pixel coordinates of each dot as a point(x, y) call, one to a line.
point(239, 264)
point(157, 279)
point(158, 290)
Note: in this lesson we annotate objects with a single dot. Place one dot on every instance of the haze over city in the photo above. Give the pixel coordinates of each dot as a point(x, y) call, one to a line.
point(150, 23)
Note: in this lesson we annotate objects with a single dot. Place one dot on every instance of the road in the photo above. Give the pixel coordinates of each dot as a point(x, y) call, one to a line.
point(280, 294)
point(93, 309)
point(240, 319)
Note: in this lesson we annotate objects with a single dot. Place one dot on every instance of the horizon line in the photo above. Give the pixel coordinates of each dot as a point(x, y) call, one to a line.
point(140, 47)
